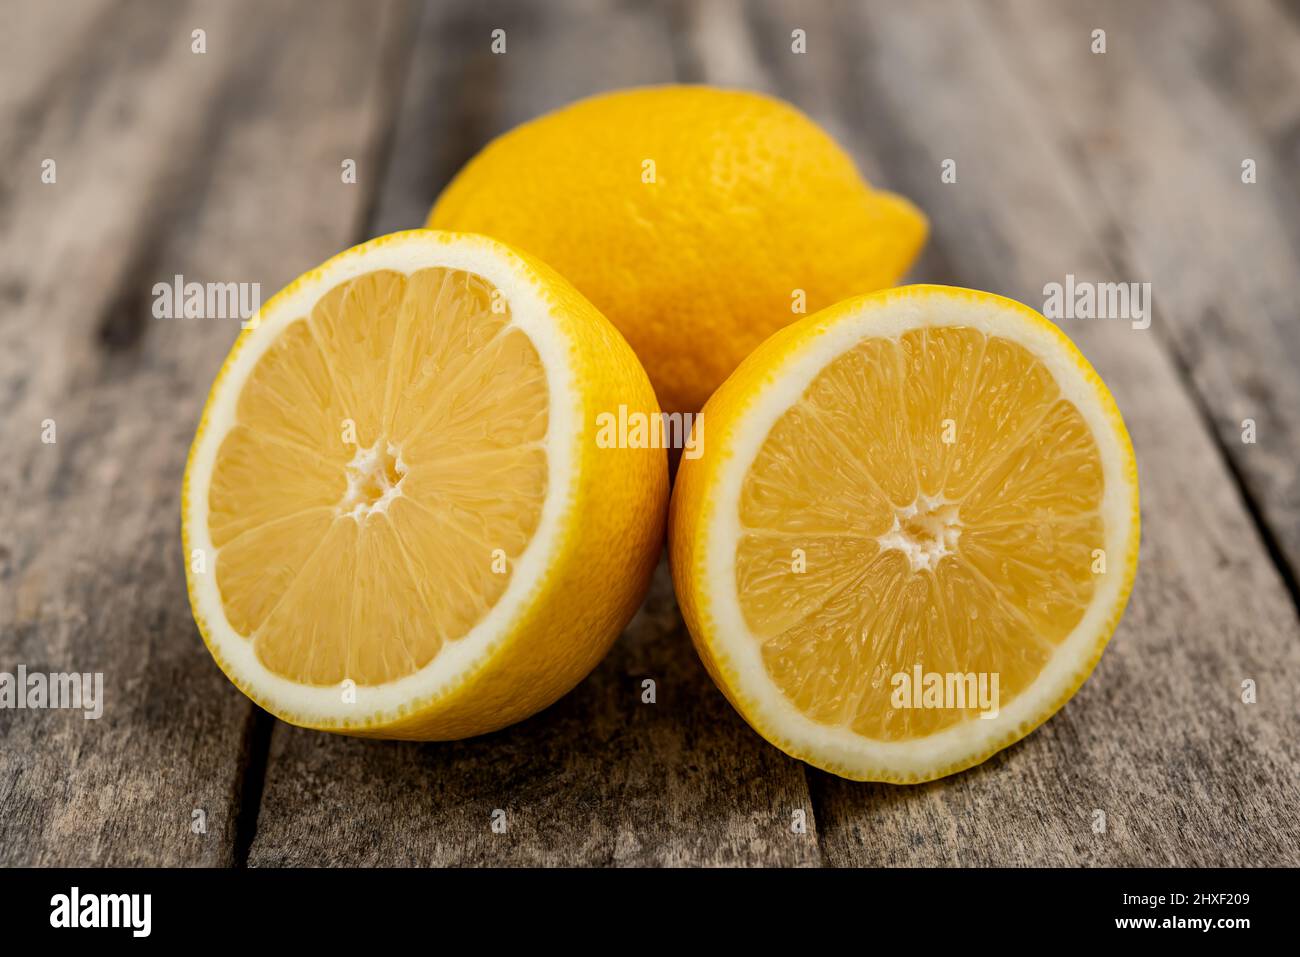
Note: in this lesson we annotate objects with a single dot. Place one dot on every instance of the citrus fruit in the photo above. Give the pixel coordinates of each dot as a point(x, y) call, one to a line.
point(911, 533)
point(395, 518)
point(698, 220)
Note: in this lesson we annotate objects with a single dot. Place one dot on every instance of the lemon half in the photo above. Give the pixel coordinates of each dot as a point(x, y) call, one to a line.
point(395, 517)
point(914, 491)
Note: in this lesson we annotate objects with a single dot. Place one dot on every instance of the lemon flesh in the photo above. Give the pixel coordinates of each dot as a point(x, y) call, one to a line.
point(972, 556)
point(362, 559)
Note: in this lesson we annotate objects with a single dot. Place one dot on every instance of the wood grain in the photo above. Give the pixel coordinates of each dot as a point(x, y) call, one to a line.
point(220, 166)
point(1201, 88)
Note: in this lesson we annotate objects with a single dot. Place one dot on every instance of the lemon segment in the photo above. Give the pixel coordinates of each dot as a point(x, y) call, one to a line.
point(921, 482)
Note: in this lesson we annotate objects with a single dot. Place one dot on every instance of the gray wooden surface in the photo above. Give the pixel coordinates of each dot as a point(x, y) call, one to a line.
point(1123, 166)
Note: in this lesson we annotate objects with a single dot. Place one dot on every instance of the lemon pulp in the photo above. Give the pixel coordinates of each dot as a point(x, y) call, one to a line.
point(931, 500)
point(386, 467)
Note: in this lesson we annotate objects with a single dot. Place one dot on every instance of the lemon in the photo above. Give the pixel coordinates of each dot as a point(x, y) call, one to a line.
point(395, 517)
point(911, 533)
point(698, 220)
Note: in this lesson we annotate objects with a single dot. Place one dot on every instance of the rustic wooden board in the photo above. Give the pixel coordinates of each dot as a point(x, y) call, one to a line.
point(219, 166)
point(1124, 166)
point(1201, 89)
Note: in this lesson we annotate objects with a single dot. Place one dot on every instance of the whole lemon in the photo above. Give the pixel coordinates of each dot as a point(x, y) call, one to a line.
point(699, 220)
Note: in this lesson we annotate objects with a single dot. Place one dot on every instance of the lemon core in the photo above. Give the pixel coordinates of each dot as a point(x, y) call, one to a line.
point(374, 479)
point(925, 531)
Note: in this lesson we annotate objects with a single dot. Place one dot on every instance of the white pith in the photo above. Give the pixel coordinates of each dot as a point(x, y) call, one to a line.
point(531, 313)
point(739, 652)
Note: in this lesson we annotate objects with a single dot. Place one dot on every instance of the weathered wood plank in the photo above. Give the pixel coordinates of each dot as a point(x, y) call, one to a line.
point(601, 777)
point(214, 166)
point(1161, 125)
point(1158, 740)
point(41, 51)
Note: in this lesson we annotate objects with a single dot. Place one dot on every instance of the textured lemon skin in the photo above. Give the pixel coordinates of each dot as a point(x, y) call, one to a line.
point(751, 202)
point(610, 540)
point(694, 501)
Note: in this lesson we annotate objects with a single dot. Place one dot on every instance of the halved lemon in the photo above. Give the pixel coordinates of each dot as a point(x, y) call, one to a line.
point(912, 531)
point(396, 518)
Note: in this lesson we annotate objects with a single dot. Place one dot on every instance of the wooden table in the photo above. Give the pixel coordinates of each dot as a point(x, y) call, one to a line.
point(225, 165)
